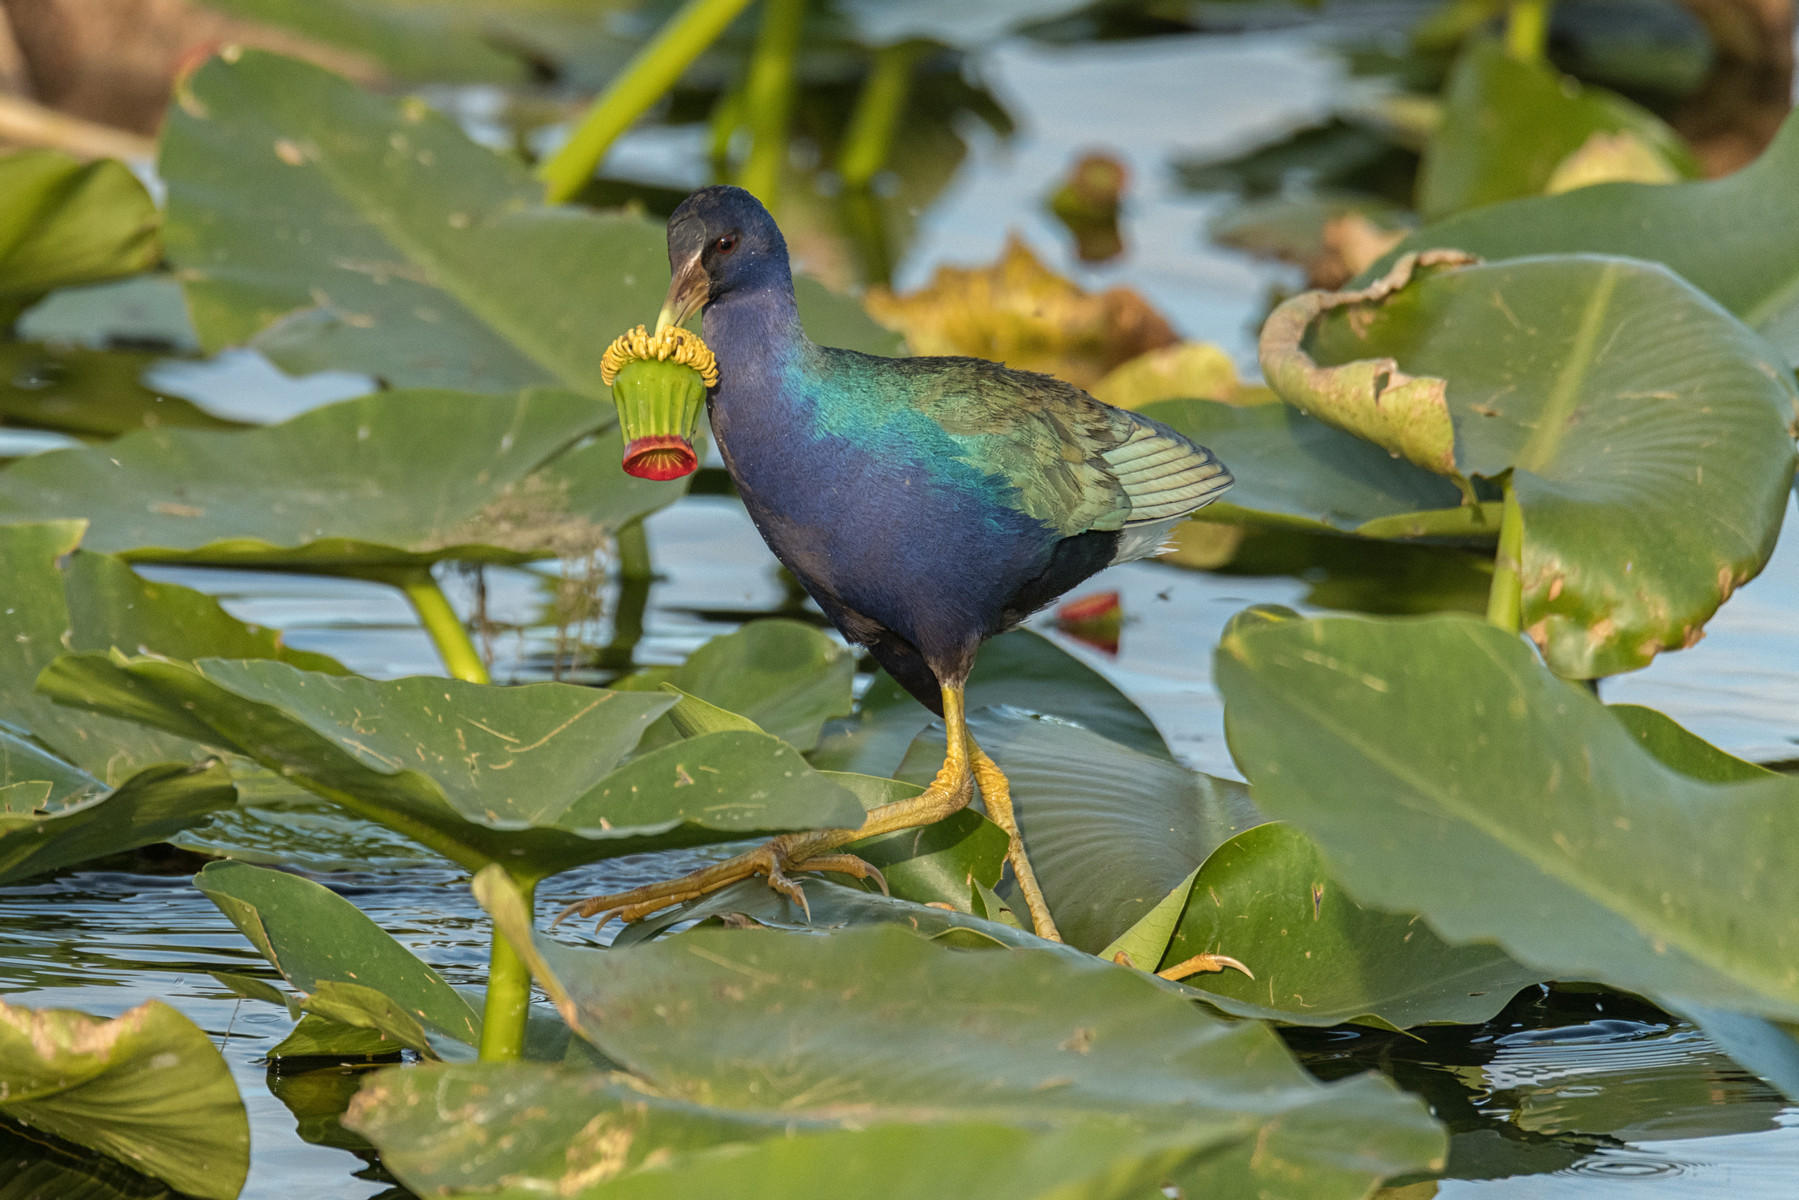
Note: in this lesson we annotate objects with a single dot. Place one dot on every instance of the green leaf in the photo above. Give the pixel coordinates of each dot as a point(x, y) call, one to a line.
point(1644, 429)
point(54, 815)
point(836, 905)
point(1509, 127)
point(89, 393)
point(397, 478)
point(346, 967)
point(786, 677)
point(1021, 670)
point(333, 228)
point(494, 1150)
point(1686, 752)
point(432, 43)
point(522, 775)
point(64, 222)
point(38, 620)
point(1731, 238)
point(1110, 830)
point(1444, 771)
point(931, 865)
point(146, 1088)
point(113, 607)
point(1144, 943)
point(1294, 471)
point(757, 1035)
point(1319, 956)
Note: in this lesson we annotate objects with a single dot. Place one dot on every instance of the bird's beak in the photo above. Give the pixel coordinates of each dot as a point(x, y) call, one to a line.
point(687, 294)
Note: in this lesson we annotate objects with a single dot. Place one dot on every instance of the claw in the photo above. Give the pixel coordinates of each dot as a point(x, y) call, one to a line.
point(1201, 964)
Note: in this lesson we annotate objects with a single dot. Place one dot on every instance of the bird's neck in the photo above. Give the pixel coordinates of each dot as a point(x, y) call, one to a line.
point(754, 329)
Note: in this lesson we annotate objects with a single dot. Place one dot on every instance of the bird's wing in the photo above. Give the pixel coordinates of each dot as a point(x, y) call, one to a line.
point(1073, 463)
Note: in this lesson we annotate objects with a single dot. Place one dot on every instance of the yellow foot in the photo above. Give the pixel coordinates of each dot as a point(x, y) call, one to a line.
point(773, 859)
point(1199, 964)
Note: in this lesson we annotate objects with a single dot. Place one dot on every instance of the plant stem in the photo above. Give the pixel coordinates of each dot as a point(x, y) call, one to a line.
point(508, 993)
point(633, 546)
point(644, 81)
point(1505, 602)
point(1527, 30)
point(768, 96)
point(869, 139)
point(447, 631)
point(727, 115)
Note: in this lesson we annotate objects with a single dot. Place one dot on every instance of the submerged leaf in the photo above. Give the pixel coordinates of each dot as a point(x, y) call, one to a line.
point(146, 1088)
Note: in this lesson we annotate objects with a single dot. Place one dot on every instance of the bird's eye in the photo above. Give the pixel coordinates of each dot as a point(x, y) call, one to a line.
point(725, 244)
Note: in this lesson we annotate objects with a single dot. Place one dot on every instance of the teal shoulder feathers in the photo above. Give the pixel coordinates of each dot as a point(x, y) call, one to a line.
point(1064, 458)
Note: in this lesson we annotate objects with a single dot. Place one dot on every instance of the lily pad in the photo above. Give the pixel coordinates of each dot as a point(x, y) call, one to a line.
point(1510, 128)
point(1022, 670)
point(89, 393)
point(1110, 830)
point(55, 815)
point(396, 478)
point(527, 776)
point(57, 598)
point(64, 221)
point(146, 1088)
point(333, 228)
point(787, 677)
point(1020, 312)
point(346, 967)
point(1730, 237)
point(1644, 429)
point(757, 1035)
point(1294, 471)
point(1319, 956)
point(1444, 771)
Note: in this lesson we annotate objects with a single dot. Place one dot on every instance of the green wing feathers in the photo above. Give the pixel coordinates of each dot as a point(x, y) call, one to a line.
point(1163, 475)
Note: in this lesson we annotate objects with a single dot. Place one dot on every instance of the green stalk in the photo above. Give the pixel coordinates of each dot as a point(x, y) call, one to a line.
point(633, 546)
point(644, 81)
point(869, 139)
point(508, 993)
point(447, 631)
point(1527, 30)
point(768, 96)
point(1505, 600)
point(727, 115)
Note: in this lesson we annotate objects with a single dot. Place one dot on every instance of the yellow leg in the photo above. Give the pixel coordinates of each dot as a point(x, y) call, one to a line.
point(818, 850)
point(996, 795)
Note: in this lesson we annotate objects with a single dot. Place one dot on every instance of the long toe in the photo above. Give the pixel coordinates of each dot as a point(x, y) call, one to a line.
point(1202, 964)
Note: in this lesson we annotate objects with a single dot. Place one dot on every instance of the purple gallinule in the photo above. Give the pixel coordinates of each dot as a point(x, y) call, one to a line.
point(926, 504)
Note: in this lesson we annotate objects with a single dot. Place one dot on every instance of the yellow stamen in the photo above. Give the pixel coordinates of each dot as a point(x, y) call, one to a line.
point(674, 343)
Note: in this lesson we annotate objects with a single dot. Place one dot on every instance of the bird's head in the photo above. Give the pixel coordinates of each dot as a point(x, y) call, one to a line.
point(720, 240)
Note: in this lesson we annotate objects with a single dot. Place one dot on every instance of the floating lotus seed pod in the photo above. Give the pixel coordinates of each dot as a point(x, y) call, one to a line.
point(659, 384)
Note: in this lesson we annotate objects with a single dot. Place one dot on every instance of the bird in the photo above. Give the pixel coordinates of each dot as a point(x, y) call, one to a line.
point(925, 504)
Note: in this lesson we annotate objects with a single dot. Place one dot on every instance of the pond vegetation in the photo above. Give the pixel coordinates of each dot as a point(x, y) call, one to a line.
point(1530, 430)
